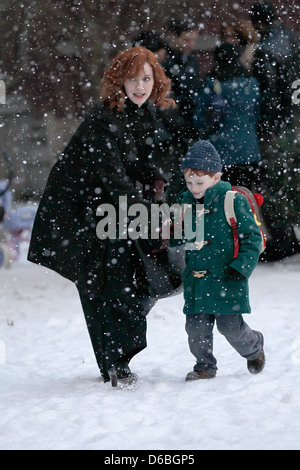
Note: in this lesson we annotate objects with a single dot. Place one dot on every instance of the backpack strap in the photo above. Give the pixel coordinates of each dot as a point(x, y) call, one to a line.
point(231, 219)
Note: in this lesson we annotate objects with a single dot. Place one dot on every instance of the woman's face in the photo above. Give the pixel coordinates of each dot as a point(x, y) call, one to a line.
point(139, 88)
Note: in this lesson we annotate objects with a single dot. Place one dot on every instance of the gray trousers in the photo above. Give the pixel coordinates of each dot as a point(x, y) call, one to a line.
point(248, 343)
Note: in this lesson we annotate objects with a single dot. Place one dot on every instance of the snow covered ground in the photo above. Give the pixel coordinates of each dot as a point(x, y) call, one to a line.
point(51, 396)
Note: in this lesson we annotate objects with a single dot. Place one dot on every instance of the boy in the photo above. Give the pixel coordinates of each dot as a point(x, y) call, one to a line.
point(216, 284)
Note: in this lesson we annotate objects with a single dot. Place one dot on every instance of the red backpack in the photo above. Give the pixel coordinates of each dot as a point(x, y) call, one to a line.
point(255, 201)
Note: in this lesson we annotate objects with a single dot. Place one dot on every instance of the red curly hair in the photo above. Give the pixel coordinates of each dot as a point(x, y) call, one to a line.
point(128, 64)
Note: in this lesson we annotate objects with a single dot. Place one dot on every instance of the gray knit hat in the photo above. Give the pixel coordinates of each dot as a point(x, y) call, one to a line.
point(202, 156)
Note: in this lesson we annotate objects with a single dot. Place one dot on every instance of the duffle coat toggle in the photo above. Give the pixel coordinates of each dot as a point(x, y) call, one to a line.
point(203, 211)
point(199, 245)
point(200, 273)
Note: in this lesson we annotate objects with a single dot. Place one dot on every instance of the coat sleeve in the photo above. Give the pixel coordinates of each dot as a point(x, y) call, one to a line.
point(249, 238)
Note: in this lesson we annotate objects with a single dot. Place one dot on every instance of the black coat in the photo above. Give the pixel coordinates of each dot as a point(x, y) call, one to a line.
point(276, 66)
point(106, 158)
point(184, 72)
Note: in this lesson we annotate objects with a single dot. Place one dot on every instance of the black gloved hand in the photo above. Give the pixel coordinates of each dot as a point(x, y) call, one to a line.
point(233, 275)
point(164, 245)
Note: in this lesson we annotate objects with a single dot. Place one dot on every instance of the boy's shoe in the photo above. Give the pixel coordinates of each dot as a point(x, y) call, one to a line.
point(256, 366)
point(198, 374)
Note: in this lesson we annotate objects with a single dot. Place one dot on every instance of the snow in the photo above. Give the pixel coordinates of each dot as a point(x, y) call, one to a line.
point(51, 397)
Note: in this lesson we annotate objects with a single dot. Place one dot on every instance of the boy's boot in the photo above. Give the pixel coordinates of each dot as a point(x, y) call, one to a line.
point(257, 365)
point(198, 374)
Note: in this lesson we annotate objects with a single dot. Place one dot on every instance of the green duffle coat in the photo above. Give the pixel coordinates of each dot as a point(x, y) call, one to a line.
point(215, 292)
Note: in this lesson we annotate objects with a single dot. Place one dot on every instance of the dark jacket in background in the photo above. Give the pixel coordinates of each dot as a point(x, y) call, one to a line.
point(276, 66)
point(183, 70)
point(236, 138)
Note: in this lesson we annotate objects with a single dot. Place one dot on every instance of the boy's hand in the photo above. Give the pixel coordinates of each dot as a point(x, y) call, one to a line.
point(164, 237)
point(233, 275)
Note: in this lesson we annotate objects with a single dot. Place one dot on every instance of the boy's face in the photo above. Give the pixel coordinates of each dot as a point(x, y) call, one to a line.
point(199, 184)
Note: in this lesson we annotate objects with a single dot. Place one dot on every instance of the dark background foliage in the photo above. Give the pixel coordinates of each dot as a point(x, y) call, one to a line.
point(53, 54)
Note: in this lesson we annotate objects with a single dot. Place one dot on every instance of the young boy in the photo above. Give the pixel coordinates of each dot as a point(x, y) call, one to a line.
point(216, 284)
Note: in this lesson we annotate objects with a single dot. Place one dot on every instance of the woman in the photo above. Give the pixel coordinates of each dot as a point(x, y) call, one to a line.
point(237, 95)
point(117, 151)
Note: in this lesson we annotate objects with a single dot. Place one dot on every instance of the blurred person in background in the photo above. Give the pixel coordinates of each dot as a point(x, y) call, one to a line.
point(241, 33)
point(154, 42)
point(182, 67)
point(276, 66)
point(227, 113)
point(247, 40)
